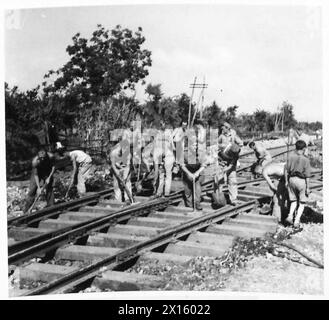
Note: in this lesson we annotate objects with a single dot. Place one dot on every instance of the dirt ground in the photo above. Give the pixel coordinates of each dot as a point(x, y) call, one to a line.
point(273, 274)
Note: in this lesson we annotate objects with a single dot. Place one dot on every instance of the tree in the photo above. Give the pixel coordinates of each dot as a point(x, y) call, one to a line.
point(214, 115)
point(260, 117)
point(288, 115)
point(183, 103)
point(247, 122)
point(100, 67)
point(230, 115)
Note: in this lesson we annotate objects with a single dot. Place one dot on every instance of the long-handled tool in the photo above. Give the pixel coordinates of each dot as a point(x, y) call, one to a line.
point(124, 186)
point(38, 196)
point(68, 190)
point(36, 199)
point(193, 181)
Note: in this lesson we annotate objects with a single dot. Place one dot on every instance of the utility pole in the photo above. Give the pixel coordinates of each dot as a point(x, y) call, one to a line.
point(201, 86)
point(190, 105)
point(282, 119)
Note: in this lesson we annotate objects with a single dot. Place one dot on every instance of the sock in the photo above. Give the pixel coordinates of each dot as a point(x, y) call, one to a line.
point(300, 211)
point(293, 206)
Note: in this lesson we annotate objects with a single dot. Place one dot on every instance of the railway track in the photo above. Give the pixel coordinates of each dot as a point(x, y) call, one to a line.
point(98, 239)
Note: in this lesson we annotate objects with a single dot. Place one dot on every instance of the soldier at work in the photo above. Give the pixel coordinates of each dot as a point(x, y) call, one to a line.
point(228, 136)
point(82, 167)
point(273, 173)
point(228, 161)
point(297, 174)
point(120, 160)
point(43, 168)
point(262, 155)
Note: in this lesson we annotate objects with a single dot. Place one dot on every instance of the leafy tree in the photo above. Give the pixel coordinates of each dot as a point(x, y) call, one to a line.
point(183, 103)
point(247, 122)
point(260, 117)
point(289, 117)
point(100, 67)
point(230, 114)
point(214, 115)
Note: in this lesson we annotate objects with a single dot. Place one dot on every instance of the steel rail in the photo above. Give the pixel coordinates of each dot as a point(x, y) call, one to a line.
point(65, 283)
point(18, 251)
point(15, 249)
point(54, 239)
point(57, 208)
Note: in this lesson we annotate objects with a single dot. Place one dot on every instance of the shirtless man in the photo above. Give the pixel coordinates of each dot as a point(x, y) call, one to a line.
point(164, 160)
point(120, 160)
point(275, 171)
point(43, 168)
point(263, 156)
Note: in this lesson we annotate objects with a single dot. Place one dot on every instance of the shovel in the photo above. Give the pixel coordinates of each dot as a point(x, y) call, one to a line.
point(36, 199)
point(123, 185)
point(193, 181)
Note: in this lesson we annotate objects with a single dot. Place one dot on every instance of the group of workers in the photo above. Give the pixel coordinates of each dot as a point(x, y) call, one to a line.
point(183, 149)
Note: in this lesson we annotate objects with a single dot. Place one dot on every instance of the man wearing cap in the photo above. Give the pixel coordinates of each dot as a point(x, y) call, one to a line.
point(263, 156)
point(82, 167)
point(228, 136)
point(228, 161)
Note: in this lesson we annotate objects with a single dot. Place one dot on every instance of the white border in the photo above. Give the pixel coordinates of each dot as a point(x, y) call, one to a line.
point(160, 295)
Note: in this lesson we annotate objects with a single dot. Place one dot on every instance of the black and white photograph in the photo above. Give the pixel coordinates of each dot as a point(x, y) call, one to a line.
point(164, 148)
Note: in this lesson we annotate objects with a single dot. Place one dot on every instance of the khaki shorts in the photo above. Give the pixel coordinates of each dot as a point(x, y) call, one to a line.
point(296, 189)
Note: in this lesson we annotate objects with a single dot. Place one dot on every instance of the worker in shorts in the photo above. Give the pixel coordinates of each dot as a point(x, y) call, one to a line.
point(228, 159)
point(120, 160)
point(164, 160)
point(297, 173)
point(43, 168)
point(273, 174)
point(82, 167)
point(263, 156)
point(192, 163)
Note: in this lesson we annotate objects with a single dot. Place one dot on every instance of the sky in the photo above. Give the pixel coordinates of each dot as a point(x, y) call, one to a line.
point(252, 56)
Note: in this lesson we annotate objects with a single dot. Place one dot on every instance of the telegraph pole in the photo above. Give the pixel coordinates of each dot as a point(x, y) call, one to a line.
point(195, 85)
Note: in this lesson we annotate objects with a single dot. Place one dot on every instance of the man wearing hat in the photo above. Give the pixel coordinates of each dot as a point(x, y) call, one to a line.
point(228, 161)
point(228, 136)
point(262, 154)
point(82, 167)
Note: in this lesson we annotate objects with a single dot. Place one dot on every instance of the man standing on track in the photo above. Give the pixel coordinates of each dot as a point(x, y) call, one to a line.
point(120, 158)
point(297, 173)
point(228, 159)
point(164, 160)
point(43, 168)
point(193, 162)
